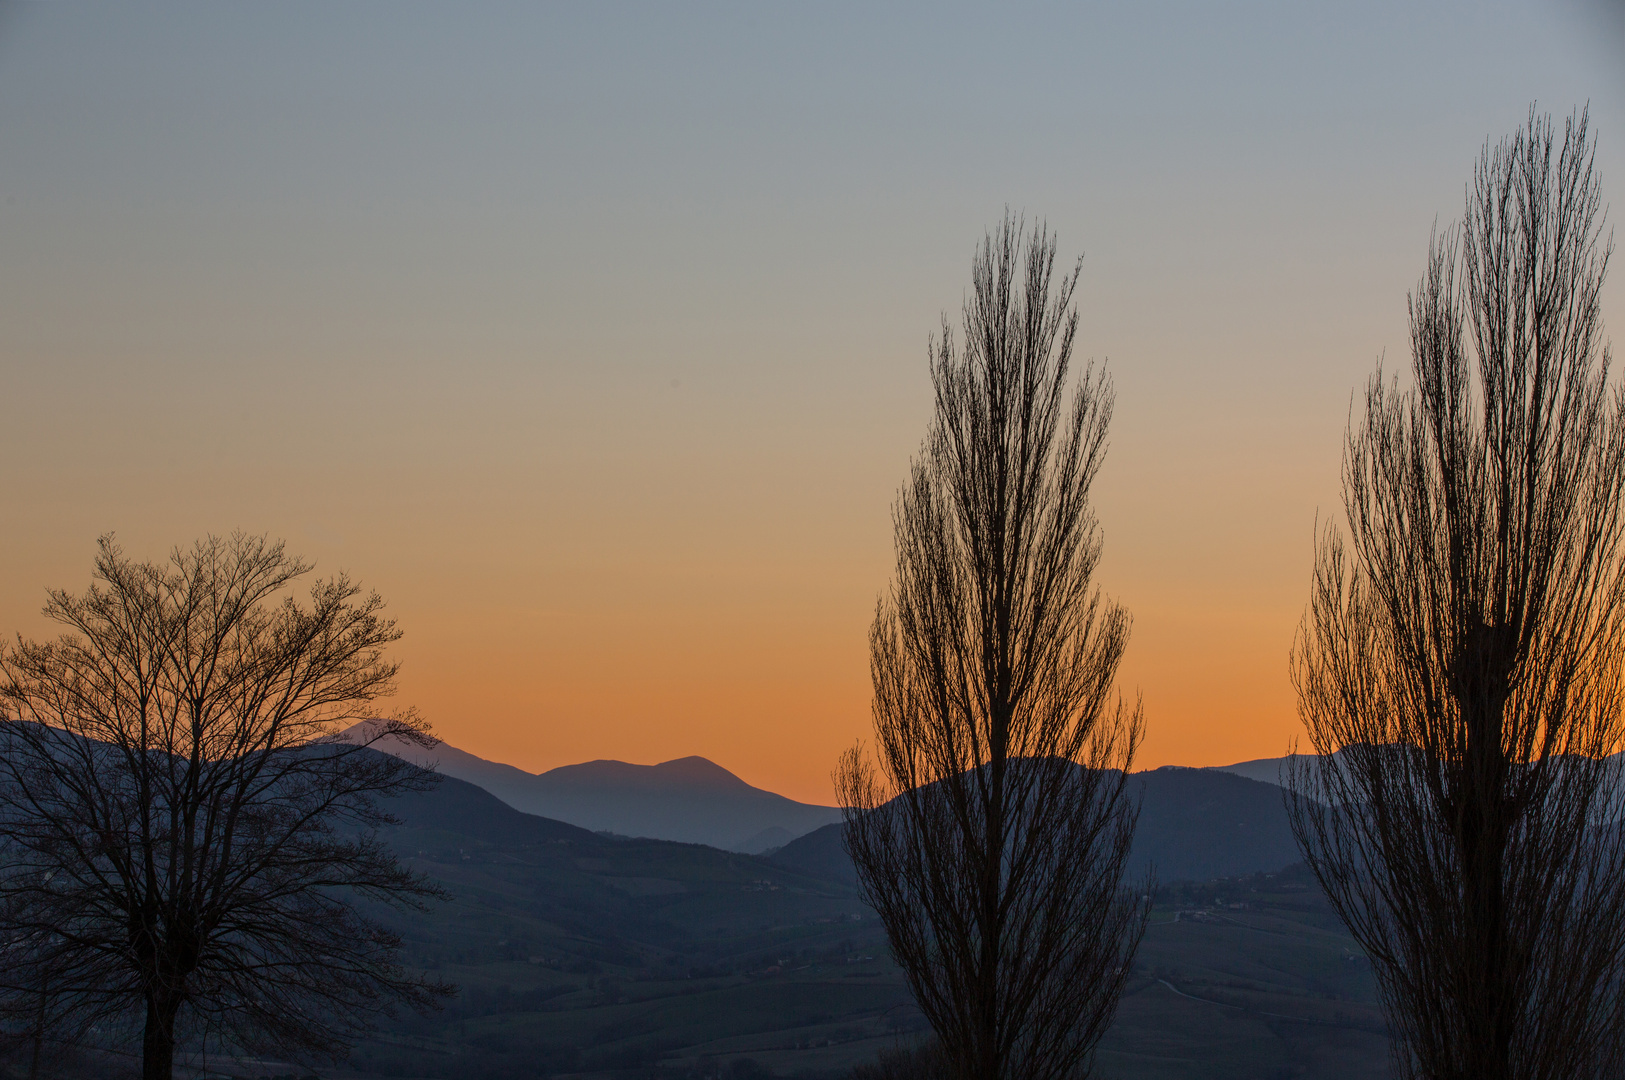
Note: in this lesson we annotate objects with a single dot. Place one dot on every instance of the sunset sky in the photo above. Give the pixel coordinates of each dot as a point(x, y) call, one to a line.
point(594, 336)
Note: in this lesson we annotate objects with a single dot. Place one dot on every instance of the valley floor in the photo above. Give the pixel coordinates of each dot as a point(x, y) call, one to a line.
point(1241, 978)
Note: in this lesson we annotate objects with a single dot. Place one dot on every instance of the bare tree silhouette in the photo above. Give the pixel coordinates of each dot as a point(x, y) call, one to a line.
point(180, 833)
point(992, 834)
point(1463, 649)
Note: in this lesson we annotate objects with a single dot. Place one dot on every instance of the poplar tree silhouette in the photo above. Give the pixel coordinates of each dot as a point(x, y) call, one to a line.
point(991, 834)
point(1460, 666)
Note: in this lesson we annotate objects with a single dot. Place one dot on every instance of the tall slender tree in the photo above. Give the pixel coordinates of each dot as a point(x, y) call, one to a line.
point(1461, 667)
point(992, 833)
point(181, 837)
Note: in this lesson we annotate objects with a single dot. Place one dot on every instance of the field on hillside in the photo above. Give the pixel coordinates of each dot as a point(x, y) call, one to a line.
point(605, 958)
point(1247, 978)
point(1243, 978)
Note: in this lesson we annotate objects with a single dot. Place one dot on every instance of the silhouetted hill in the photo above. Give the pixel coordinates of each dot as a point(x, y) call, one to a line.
point(1195, 824)
point(461, 807)
point(689, 800)
point(1267, 770)
point(819, 852)
point(1264, 770)
point(686, 774)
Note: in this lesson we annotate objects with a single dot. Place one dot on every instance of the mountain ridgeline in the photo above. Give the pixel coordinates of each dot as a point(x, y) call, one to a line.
point(689, 800)
point(1194, 824)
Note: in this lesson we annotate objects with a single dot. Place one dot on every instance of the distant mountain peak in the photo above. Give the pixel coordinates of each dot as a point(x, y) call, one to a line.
point(692, 759)
point(695, 767)
point(685, 772)
point(688, 799)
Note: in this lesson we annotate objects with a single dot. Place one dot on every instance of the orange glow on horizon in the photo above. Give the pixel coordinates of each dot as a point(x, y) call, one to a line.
point(777, 704)
point(602, 359)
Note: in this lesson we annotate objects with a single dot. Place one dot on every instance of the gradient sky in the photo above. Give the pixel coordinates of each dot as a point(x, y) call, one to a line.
point(593, 336)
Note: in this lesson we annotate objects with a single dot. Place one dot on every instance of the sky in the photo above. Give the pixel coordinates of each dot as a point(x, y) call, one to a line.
point(594, 336)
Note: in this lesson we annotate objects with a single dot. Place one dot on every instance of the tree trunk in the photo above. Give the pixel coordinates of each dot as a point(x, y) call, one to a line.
point(39, 1037)
point(158, 1042)
point(1487, 993)
point(991, 923)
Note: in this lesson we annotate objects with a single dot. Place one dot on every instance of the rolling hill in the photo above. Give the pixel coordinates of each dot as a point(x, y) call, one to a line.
point(1267, 770)
point(1195, 824)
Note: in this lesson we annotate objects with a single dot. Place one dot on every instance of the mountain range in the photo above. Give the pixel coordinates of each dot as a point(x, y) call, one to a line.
point(1194, 824)
point(690, 800)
